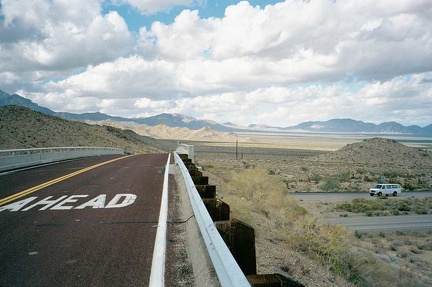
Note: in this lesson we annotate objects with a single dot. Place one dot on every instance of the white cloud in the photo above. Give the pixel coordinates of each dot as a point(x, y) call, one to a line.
point(279, 64)
point(130, 77)
point(57, 37)
point(155, 6)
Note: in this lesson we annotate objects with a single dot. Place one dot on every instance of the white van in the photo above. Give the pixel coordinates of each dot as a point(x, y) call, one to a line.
point(385, 189)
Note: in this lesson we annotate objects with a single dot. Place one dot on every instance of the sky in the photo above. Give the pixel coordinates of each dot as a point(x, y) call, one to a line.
point(277, 63)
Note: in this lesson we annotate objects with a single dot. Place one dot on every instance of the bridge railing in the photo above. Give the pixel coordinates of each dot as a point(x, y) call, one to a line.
point(226, 267)
point(18, 158)
point(186, 149)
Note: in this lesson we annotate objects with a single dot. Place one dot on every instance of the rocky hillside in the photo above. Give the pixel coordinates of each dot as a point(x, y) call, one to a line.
point(367, 161)
point(380, 151)
point(23, 128)
point(175, 133)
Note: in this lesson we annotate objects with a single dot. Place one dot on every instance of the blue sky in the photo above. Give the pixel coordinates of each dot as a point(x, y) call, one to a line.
point(136, 19)
point(249, 62)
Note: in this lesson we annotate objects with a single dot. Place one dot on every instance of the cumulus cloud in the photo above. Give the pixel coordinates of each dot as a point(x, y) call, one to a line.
point(304, 41)
point(155, 6)
point(279, 64)
point(55, 36)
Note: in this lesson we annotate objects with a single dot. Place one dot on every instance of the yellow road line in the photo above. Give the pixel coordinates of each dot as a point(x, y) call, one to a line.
point(20, 194)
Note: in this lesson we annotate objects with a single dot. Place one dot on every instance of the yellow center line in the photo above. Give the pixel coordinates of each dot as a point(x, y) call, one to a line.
point(20, 194)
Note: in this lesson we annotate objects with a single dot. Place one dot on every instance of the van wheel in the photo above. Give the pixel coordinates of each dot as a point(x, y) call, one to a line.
point(371, 194)
point(394, 193)
point(379, 193)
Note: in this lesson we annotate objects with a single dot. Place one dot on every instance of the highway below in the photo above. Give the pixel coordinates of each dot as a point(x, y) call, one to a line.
point(87, 222)
point(362, 223)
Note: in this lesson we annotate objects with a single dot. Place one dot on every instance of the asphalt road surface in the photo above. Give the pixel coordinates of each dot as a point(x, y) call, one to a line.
point(96, 228)
point(362, 223)
point(385, 223)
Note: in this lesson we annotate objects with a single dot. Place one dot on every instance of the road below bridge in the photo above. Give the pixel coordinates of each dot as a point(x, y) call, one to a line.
point(80, 223)
point(361, 222)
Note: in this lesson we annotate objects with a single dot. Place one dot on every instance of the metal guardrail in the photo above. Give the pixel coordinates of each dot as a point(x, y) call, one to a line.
point(18, 158)
point(226, 267)
point(186, 149)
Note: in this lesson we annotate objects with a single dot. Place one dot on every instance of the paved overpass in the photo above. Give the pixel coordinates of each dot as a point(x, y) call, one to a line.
point(87, 222)
point(118, 220)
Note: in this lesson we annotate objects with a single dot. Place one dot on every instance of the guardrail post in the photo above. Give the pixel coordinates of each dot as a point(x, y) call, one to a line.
point(206, 191)
point(218, 210)
point(240, 239)
point(201, 180)
point(238, 236)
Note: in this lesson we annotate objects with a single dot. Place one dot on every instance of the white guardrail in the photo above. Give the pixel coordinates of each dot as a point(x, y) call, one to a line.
point(227, 269)
point(18, 158)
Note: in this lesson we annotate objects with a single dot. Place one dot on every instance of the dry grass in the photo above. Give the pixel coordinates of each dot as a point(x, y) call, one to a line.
point(312, 253)
point(255, 196)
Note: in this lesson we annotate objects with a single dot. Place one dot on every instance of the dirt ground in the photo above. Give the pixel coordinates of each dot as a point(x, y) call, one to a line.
point(407, 256)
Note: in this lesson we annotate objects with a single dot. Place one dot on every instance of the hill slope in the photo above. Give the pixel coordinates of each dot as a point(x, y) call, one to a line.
point(366, 161)
point(21, 127)
point(378, 151)
point(176, 133)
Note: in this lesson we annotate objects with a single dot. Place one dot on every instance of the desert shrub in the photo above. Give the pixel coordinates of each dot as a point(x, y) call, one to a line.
point(403, 206)
point(316, 178)
point(361, 171)
point(386, 207)
point(247, 165)
point(331, 184)
point(254, 191)
point(344, 176)
point(420, 210)
point(408, 186)
point(361, 205)
point(368, 270)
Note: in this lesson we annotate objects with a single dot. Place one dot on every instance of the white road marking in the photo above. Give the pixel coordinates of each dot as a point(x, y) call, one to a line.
point(157, 274)
point(64, 202)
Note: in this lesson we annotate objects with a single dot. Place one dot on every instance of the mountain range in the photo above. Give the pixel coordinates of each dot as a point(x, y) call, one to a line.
point(178, 120)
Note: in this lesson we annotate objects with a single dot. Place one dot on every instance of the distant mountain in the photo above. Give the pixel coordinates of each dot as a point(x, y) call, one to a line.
point(89, 116)
point(428, 129)
point(178, 120)
point(171, 120)
point(16, 100)
point(353, 126)
point(263, 127)
point(335, 125)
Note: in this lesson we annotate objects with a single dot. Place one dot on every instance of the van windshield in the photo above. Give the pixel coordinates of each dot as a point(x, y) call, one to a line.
point(378, 186)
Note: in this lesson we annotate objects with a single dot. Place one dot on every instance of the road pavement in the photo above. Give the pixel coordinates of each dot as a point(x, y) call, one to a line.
point(414, 222)
point(362, 223)
point(96, 228)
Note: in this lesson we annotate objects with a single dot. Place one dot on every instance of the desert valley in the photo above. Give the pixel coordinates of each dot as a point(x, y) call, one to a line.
point(256, 172)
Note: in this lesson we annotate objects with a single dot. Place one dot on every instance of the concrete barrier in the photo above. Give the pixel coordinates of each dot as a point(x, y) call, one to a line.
point(18, 158)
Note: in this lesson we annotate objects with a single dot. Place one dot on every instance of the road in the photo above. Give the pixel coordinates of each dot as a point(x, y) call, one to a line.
point(96, 228)
point(385, 223)
point(362, 223)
